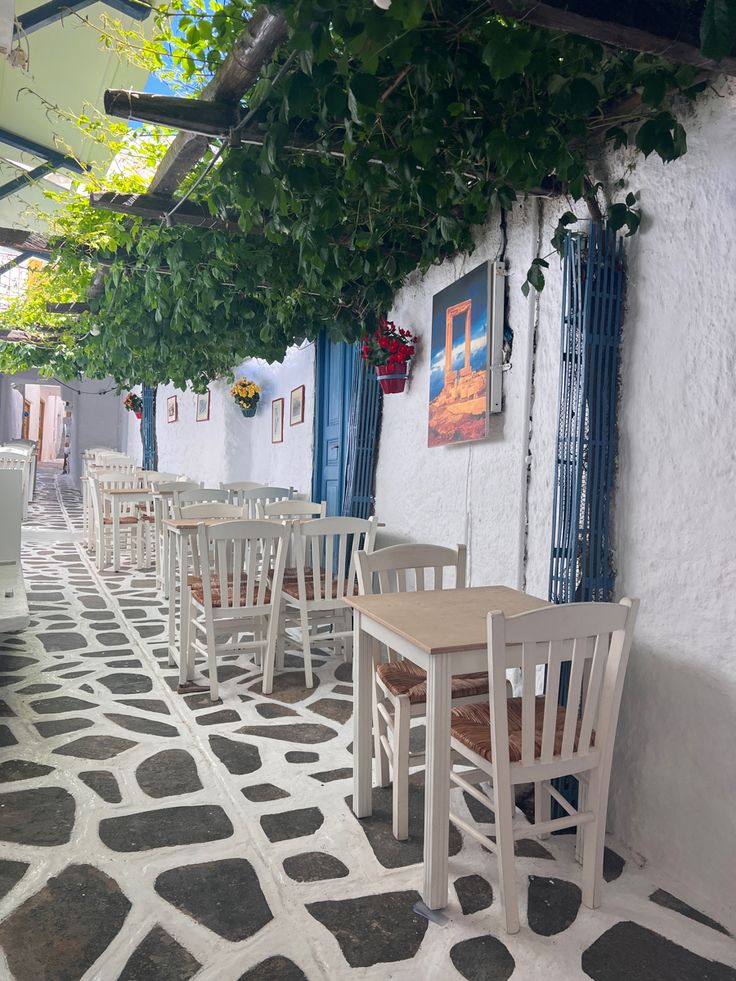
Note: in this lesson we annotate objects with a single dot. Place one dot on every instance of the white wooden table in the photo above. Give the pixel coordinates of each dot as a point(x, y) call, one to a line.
point(444, 632)
point(119, 496)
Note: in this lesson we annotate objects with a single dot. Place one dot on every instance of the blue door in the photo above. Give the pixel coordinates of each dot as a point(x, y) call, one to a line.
point(335, 365)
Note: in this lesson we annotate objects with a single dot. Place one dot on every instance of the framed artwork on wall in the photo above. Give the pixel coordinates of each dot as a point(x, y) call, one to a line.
point(203, 407)
point(172, 409)
point(460, 359)
point(296, 406)
point(277, 421)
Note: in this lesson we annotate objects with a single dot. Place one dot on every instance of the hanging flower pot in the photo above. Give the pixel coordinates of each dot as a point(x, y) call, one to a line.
point(139, 415)
point(392, 377)
point(247, 395)
point(134, 403)
point(389, 349)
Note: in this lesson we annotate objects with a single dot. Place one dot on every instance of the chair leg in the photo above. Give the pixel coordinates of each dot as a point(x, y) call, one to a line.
point(402, 719)
point(212, 659)
point(505, 854)
point(306, 647)
point(269, 654)
point(580, 830)
point(593, 844)
point(542, 806)
point(380, 729)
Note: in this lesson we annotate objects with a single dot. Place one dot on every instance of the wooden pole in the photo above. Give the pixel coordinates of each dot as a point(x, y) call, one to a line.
point(23, 240)
point(71, 308)
point(610, 33)
point(191, 115)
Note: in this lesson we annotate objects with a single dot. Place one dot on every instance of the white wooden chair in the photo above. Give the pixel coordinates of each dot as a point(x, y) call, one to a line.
point(324, 550)
point(234, 606)
point(533, 739)
point(288, 510)
point(152, 478)
point(166, 492)
point(197, 495)
point(252, 500)
point(235, 488)
point(400, 692)
point(134, 524)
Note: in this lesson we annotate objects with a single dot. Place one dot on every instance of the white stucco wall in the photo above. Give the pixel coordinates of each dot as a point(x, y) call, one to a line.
point(229, 446)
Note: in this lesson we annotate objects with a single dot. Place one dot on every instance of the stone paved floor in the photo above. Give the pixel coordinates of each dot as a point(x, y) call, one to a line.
point(148, 836)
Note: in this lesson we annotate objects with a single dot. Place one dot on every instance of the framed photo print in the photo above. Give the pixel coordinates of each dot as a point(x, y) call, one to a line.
point(203, 407)
point(296, 407)
point(172, 409)
point(277, 421)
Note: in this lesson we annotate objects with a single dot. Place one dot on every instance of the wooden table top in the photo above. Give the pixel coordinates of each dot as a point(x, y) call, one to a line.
point(444, 620)
point(187, 524)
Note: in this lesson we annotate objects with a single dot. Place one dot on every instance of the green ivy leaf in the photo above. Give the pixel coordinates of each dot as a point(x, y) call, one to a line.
point(365, 88)
point(718, 28)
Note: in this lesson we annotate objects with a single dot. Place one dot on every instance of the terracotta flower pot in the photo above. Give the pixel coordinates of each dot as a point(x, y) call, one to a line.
point(392, 377)
point(250, 412)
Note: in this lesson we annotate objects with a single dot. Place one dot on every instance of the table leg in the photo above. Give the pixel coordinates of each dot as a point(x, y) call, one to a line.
point(437, 783)
point(115, 533)
point(172, 600)
point(362, 720)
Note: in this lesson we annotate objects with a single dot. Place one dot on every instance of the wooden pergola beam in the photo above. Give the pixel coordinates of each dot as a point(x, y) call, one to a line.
point(70, 308)
point(190, 115)
point(24, 241)
point(238, 72)
point(609, 32)
point(154, 207)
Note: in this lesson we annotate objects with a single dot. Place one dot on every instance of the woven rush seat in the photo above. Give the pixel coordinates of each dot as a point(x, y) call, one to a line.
point(405, 678)
point(291, 574)
point(470, 725)
point(127, 519)
point(291, 586)
point(197, 587)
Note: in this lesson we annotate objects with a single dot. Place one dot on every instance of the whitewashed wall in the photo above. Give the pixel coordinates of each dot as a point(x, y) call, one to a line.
point(229, 446)
point(674, 781)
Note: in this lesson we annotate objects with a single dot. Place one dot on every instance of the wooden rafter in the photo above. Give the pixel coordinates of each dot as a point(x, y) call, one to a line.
point(609, 32)
point(24, 241)
point(70, 308)
point(154, 207)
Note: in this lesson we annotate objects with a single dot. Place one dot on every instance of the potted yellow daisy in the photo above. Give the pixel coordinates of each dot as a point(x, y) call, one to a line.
point(247, 395)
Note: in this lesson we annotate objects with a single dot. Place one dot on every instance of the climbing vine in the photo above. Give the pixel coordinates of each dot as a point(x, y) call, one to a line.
point(387, 136)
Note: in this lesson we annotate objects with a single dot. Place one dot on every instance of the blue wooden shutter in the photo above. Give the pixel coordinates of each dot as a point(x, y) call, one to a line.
point(148, 429)
point(366, 402)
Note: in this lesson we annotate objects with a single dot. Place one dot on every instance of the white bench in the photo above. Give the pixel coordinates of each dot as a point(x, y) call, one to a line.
point(14, 613)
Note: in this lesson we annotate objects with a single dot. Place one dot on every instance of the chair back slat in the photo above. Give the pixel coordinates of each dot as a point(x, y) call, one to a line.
point(247, 559)
point(590, 637)
point(406, 568)
point(255, 498)
point(332, 544)
point(198, 495)
point(287, 510)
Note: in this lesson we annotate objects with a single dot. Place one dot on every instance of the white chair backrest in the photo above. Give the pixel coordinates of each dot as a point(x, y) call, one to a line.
point(325, 550)
point(198, 495)
point(210, 510)
point(251, 499)
point(236, 487)
point(595, 638)
point(248, 556)
point(151, 478)
point(406, 568)
point(291, 510)
point(11, 512)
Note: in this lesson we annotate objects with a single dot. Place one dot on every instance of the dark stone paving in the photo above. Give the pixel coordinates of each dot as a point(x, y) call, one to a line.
point(238, 758)
point(274, 711)
point(327, 776)
point(125, 683)
point(297, 756)
point(171, 772)
point(335, 709)
point(10, 875)
point(147, 704)
point(164, 827)
point(22, 770)
point(666, 899)
point(373, 929)
point(6, 737)
point(37, 689)
point(314, 867)
point(59, 726)
point(68, 641)
point(553, 905)
point(378, 829)
point(298, 732)
point(287, 687)
point(483, 959)
point(630, 952)
point(42, 816)
point(474, 893)
point(62, 703)
point(216, 718)
point(137, 724)
point(160, 958)
point(103, 783)
point(95, 747)
point(58, 933)
point(264, 791)
point(613, 865)
point(275, 969)
point(292, 824)
point(224, 896)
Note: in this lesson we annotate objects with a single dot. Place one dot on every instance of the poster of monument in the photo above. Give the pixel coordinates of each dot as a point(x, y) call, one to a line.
point(458, 379)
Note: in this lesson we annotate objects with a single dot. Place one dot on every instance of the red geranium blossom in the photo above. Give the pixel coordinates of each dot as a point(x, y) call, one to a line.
point(388, 344)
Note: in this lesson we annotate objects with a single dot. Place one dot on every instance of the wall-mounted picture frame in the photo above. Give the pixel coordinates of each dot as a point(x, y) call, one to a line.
point(296, 406)
point(277, 421)
point(172, 409)
point(202, 409)
point(467, 317)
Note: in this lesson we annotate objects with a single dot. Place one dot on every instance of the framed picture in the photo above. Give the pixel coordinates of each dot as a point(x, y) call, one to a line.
point(296, 407)
point(203, 407)
point(459, 360)
point(277, 421)
point(172, 409)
